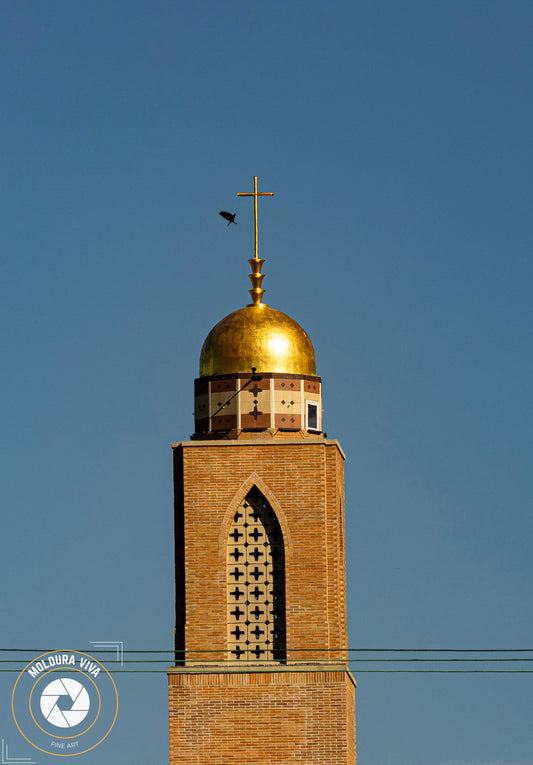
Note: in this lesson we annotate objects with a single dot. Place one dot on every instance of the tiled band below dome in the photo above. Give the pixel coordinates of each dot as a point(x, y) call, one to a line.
point(276, 401)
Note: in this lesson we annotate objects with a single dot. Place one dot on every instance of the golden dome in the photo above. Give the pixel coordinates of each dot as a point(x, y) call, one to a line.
point(257, 336)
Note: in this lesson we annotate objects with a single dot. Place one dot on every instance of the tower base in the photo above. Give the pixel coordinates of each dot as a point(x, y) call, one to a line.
point(261, 716)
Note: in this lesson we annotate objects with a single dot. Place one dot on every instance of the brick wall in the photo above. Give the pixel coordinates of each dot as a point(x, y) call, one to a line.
point(289, 715)
point(263, 718)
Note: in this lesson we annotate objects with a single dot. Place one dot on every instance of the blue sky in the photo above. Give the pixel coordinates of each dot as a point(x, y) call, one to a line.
point(396, 137)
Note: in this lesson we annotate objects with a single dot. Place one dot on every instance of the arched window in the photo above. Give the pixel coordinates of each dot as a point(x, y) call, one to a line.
point(256, 582)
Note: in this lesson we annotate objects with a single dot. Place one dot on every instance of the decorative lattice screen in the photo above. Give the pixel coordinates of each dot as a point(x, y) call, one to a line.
point(256, 583)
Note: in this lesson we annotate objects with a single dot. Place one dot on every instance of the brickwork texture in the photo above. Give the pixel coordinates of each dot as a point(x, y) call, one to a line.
point(279, 718)
point(264, 714)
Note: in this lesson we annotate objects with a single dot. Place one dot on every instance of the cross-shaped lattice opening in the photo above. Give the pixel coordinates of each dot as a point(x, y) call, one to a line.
point(255, 573)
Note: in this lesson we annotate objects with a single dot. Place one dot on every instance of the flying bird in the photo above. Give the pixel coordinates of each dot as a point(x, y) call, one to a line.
point(230, 217)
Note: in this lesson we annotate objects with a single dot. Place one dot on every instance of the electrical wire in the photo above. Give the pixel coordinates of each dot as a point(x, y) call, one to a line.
point(357, 664)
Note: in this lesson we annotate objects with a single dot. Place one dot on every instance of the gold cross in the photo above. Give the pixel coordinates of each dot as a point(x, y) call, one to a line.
point(255, 194)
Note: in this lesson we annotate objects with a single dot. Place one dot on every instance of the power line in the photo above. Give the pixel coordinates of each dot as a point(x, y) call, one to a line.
point(366, 661)
point(314, 650)
point(357, 671)
point(486, 656)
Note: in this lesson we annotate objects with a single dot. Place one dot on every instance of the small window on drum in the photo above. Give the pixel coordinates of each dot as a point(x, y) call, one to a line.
point(312, 414)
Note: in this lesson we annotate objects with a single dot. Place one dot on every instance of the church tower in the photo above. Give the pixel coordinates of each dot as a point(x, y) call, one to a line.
point(261, 674)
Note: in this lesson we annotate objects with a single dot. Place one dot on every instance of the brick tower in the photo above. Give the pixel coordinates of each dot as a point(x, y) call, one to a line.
point(261, 675)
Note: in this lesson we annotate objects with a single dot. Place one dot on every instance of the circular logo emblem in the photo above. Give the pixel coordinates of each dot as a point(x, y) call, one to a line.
point(64, 703)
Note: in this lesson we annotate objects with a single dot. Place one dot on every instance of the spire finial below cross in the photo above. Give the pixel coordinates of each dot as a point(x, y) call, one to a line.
point(256, 262)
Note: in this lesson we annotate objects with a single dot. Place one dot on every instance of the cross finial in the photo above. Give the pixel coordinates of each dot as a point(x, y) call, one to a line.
point(256, 262)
